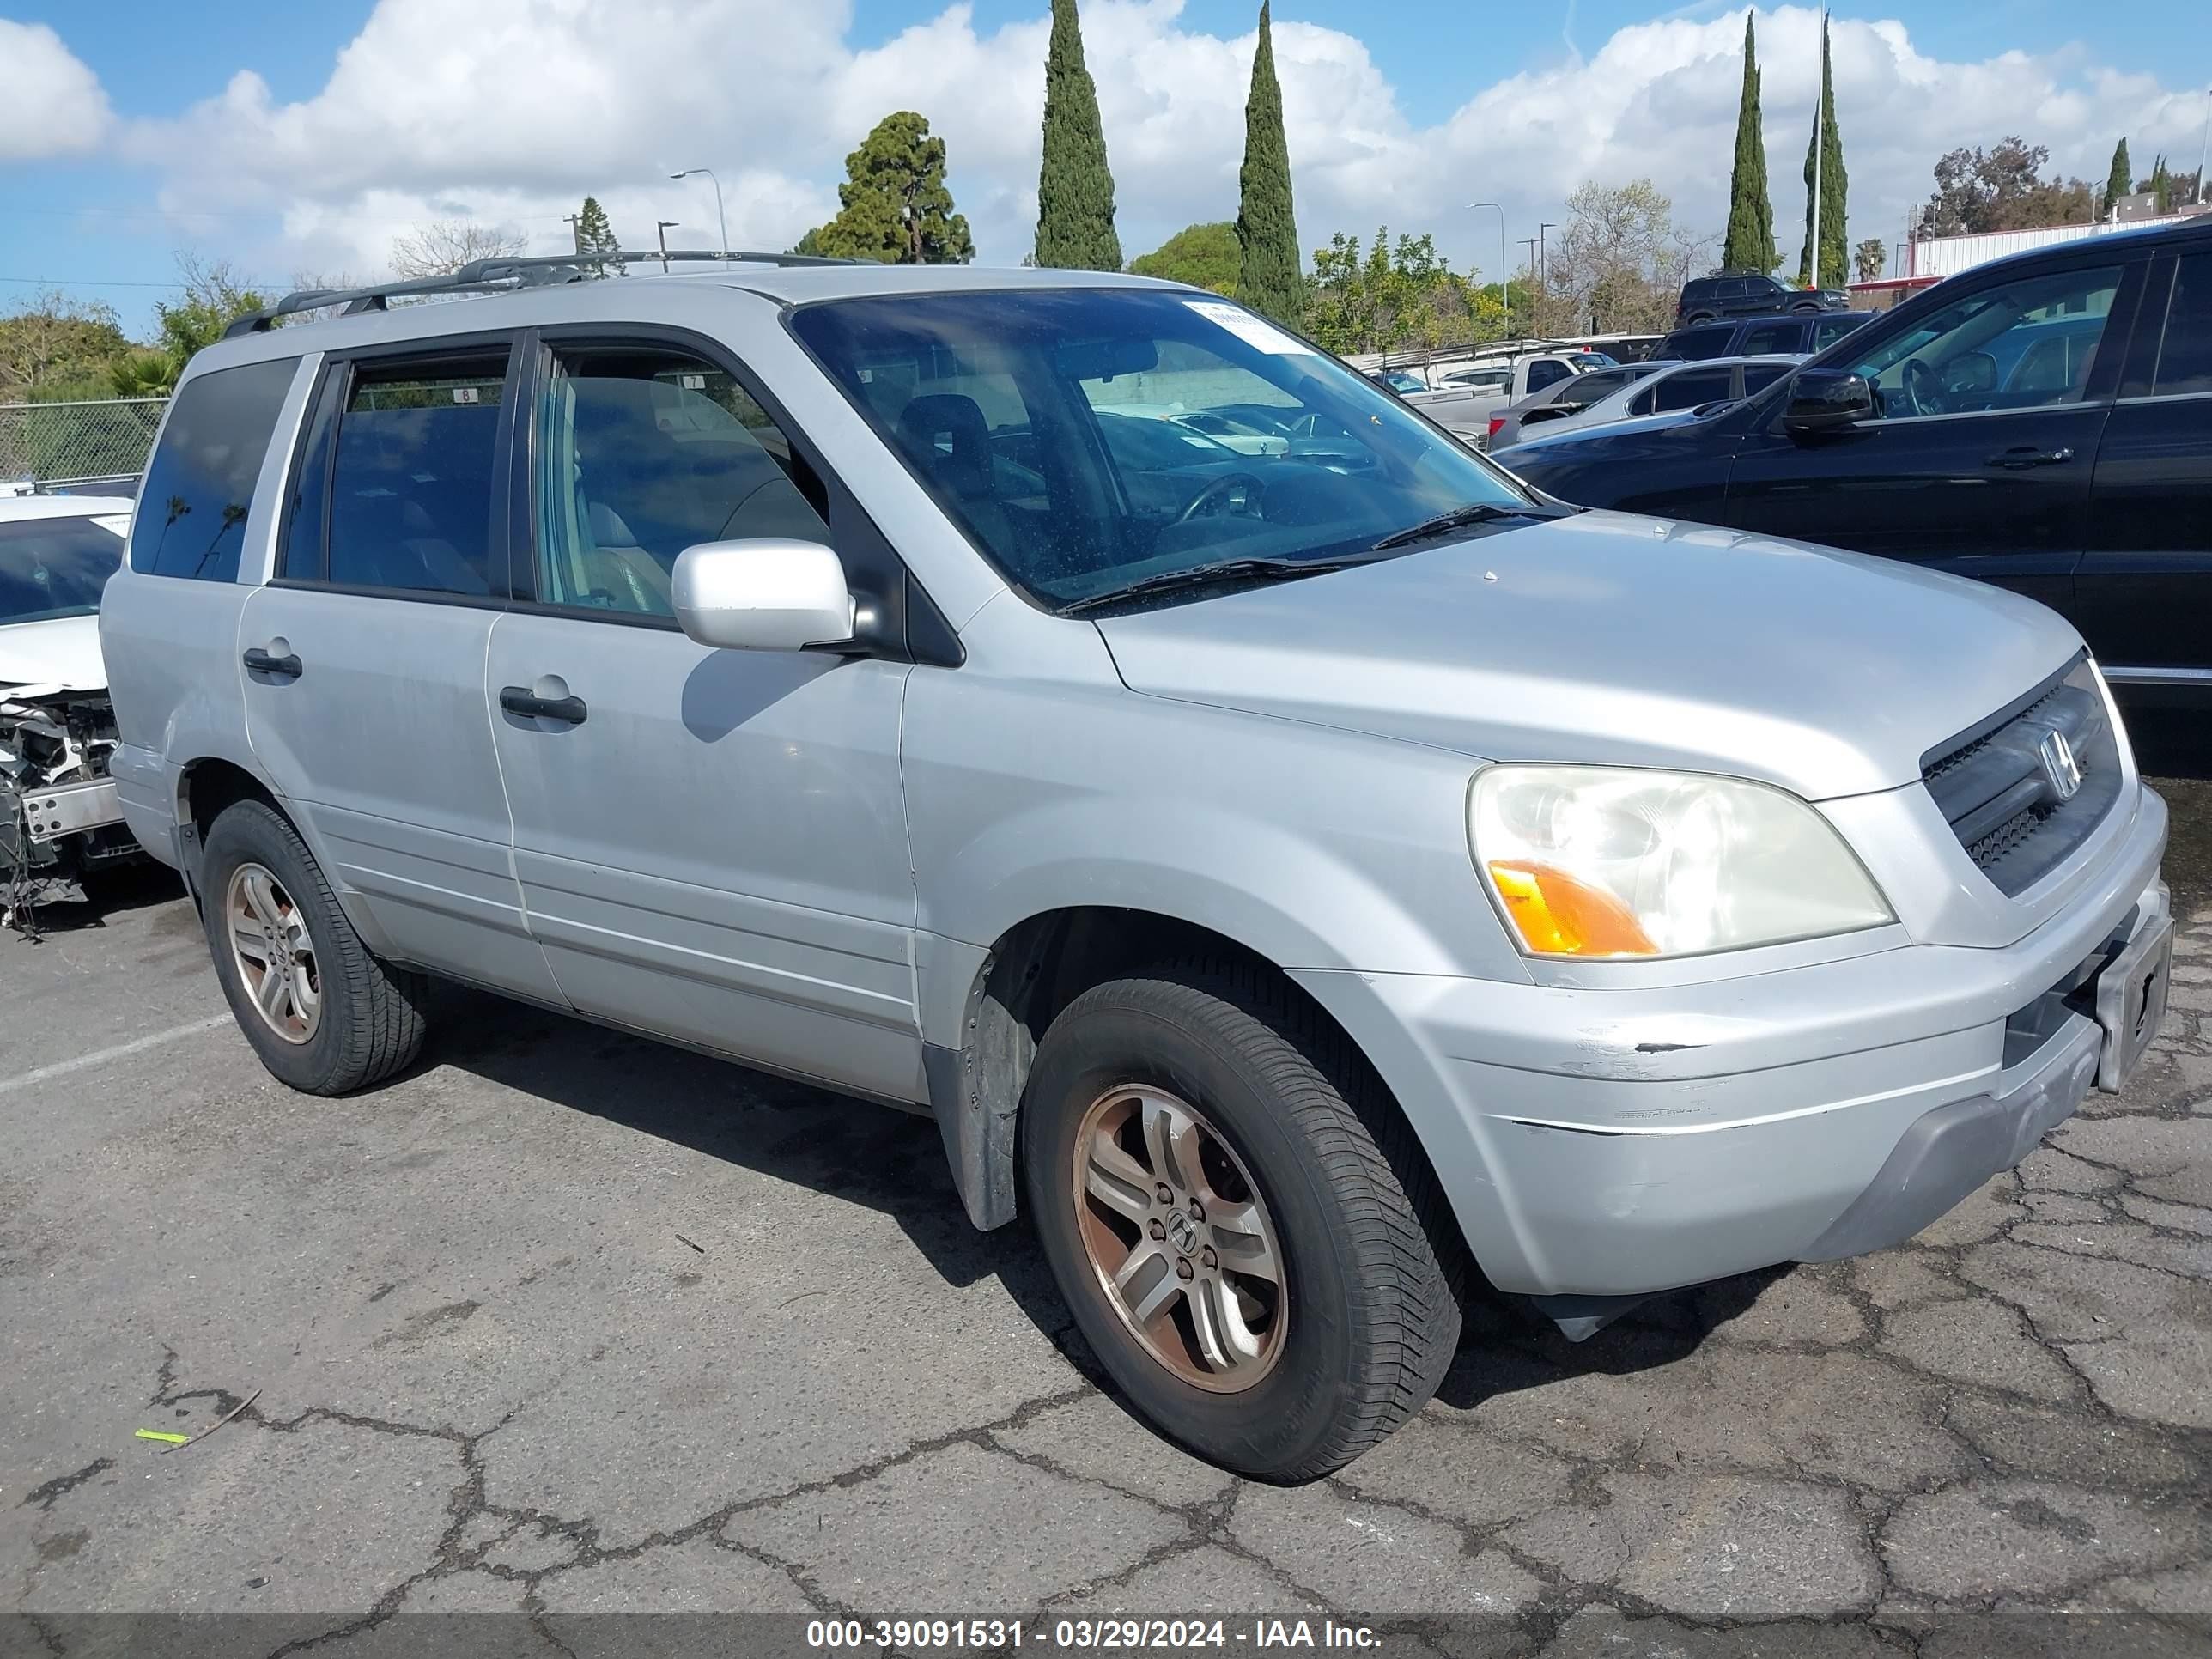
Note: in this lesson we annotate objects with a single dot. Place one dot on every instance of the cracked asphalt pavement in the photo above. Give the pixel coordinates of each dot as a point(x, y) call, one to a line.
point(565, 1322)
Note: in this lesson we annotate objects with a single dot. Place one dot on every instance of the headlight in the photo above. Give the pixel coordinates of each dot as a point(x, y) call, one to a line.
point(1600, 861)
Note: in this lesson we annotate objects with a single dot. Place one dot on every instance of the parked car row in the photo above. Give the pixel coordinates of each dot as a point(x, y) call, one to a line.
point(2042, 423)
point(1285, 853)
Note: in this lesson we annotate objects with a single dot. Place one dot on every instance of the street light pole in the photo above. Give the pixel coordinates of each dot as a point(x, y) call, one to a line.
point(722, 224)
point(662, 227)
point(2205, 146)
point(1504, 274)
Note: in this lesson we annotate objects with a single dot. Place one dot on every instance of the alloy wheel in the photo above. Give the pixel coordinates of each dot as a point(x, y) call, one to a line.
point(274, 953)
point(1179, 1238)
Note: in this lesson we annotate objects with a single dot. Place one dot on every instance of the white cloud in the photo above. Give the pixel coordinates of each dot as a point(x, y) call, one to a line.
point(509, 110)
point(50, 104)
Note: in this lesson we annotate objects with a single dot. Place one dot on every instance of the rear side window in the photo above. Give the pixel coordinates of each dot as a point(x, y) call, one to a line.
point(192, 508)
point(1761, 338)
point(2185, 354)
point(412, 486)
point(1591, 387)
point(1546, 373)
point(1694, 344)
point(1692, 387)
point(1831, 329)
point(1757, 377)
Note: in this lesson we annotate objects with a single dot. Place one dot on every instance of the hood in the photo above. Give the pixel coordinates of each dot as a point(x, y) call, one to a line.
point(40, 657)
point(1610, 639)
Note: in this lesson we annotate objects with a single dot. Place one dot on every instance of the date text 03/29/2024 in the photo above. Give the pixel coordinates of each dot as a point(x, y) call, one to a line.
point(1085, 1635)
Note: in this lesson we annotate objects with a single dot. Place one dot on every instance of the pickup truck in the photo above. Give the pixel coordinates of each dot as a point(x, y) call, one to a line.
point(1465, 398)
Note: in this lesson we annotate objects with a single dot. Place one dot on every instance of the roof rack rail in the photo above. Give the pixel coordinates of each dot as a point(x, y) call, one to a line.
point(499, 275)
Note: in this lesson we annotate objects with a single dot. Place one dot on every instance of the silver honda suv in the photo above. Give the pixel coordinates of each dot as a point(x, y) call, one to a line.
point(1304, 870)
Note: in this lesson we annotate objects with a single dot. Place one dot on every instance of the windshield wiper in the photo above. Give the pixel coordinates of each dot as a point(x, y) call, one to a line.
point(1208, 576)
point(1460, 518)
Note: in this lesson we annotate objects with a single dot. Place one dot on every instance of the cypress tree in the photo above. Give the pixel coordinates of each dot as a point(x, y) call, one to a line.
point(1750, 243)
point(1075, 187)
point(1269, 280)
point(2120, 180)
point(1828, 142)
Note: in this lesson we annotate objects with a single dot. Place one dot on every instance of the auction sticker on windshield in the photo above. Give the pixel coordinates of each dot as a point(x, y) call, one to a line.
point(1253, 330)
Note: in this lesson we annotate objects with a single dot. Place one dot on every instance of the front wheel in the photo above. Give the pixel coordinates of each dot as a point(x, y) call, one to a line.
point(1240, 1221)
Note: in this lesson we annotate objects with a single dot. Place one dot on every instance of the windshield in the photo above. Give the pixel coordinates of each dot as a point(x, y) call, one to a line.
point(53, 568)
point(1055, 428)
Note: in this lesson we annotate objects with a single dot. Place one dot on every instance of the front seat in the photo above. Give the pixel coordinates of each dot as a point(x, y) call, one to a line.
point(944, 435)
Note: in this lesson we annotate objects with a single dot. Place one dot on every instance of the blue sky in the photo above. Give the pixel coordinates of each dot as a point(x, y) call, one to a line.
point(96, 222)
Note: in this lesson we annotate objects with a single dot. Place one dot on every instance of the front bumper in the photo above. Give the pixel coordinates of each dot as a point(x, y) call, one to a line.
point(1807, 1114)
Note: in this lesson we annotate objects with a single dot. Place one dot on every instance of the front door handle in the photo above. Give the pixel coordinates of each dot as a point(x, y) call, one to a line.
point(2024, 456)
point(521, 700)
point(286, 668)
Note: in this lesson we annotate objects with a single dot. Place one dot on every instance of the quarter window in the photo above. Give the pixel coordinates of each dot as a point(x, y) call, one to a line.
point(415, 480)
point(2023, 345)
point(191, 511)
point(644, 452)
point(2184, 354)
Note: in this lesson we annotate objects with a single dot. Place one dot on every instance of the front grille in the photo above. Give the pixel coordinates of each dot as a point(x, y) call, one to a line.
point(1998, 784)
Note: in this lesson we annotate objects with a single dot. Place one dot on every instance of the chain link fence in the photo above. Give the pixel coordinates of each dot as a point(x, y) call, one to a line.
point(77, 443)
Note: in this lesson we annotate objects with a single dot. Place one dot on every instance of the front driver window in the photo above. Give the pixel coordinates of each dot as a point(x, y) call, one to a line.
point(2023, 345)
point(642, 453)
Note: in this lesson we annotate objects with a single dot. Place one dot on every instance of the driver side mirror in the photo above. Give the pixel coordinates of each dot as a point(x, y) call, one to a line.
point(1828, 400)
point(769, 594)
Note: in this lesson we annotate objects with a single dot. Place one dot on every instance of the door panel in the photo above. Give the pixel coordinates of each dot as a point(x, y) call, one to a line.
point(717, 851)
point(383, 741)
point(1991, 408)
point(2145, 583)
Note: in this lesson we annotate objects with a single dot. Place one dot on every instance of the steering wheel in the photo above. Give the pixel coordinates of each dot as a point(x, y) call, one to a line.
point(1222, 488)
point(1923, 390)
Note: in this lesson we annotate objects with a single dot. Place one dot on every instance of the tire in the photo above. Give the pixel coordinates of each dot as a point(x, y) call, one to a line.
point(1364, 1313)
point(1804, 310)
point(1698, 319)
point(366, 1021)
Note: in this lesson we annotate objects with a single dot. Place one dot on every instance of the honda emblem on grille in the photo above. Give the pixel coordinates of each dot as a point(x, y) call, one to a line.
point(2060, 768)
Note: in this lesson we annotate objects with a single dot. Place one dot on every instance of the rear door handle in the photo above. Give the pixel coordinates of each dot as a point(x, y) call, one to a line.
point(519, 700)
point(286, 668)
point(2014, 459)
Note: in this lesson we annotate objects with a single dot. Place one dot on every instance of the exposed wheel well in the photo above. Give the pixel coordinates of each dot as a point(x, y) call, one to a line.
point(1035, 970)
point(208, 787)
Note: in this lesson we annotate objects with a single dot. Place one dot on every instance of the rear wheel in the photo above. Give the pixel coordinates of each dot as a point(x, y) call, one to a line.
point(1238, 1219)
point(1697, 318)
point(325, 1015)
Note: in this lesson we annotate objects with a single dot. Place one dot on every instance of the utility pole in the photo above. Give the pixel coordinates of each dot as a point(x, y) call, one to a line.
point(1505, 274)
point(2205, 147)
point(1543, 281)
point(664, 226)
point(1535, 282)
point(575, 224)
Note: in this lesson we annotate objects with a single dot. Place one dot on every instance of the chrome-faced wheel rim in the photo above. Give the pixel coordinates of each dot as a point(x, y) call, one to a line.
point(1179, 1238)
point(273, 952)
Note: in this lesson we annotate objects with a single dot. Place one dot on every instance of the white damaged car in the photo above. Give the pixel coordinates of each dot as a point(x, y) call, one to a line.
point(58, 816)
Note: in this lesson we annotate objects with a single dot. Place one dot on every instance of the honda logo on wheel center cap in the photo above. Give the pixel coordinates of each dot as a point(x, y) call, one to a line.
point(2060, 767)
point(1182, 1233)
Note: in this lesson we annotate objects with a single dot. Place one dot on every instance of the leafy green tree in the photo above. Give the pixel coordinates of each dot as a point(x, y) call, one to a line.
point(2116, 181)
point(1205, 256)
point(1267, 226)
point(1827, 144)
point(895, 207)
point(54, 340)
point(1750, 242)
point(595, 235)
point(1075, 187)
point(1387, 298)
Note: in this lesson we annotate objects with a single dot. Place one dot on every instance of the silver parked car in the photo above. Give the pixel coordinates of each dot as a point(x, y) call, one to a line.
point(1300, 882)
point(1672, 387)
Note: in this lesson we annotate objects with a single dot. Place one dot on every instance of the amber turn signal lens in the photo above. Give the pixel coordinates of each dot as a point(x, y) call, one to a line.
point(1557, 916)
